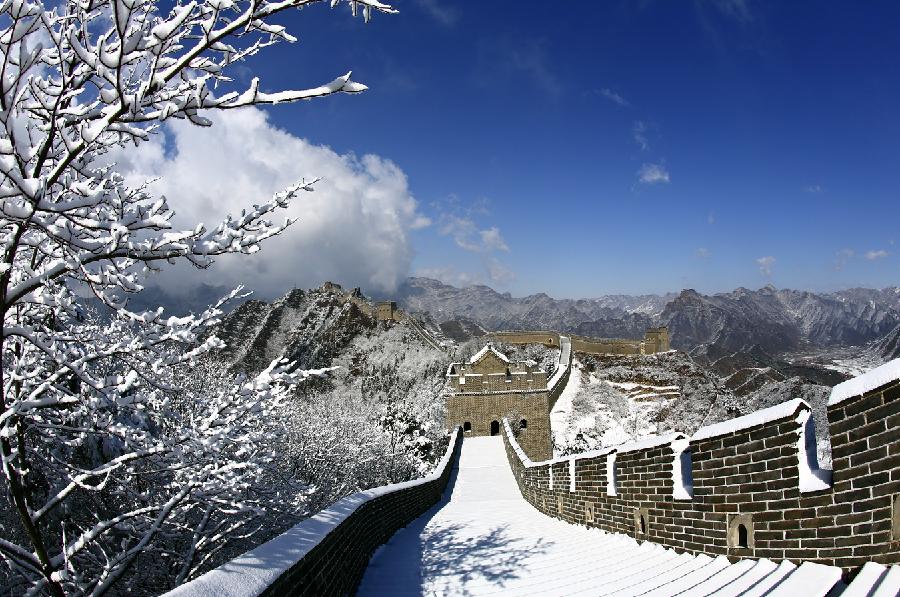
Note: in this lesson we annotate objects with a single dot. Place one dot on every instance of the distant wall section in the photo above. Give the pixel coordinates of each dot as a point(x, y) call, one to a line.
point(655, 340)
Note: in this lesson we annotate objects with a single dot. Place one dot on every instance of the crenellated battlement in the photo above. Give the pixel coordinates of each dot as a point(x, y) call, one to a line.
point(748, 487)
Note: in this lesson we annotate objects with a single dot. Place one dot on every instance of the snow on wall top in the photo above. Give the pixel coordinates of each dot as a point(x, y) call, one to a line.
point(643, 444)
point(515, 445)
point(760, 417)
point(646, 443)
point(251, 574)
point(527, 462)
point(866, 382)
point(484, 351)
point(565, 354)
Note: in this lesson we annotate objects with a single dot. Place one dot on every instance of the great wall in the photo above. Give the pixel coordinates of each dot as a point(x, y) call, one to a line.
point(732, 509)
point(749, 487)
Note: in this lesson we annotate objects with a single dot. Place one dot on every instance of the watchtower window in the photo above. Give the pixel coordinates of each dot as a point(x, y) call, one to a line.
point(467, 426)
point(495, 428)
point(643, 525)
point(742, 540)
point(523, 424)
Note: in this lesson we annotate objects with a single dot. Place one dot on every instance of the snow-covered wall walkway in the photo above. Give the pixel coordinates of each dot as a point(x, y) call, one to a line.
point(484, 539)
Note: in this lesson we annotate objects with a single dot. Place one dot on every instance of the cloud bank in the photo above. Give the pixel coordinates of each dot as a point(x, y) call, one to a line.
point(468, 237)
point(352, 229)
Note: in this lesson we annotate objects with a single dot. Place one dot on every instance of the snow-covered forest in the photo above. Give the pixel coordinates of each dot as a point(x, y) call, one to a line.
point(377, 416)
point(129, 457)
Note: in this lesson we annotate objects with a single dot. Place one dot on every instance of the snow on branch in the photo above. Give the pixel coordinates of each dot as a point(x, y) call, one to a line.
point(120, 437)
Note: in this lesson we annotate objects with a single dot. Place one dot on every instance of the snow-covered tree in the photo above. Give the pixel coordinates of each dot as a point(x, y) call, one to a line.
point(104, 457)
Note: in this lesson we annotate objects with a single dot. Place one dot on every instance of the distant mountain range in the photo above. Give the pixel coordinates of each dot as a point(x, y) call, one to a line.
point(775, 321)
point(770, 319)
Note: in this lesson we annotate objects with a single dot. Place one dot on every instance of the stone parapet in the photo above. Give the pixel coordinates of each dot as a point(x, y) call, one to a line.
point(327, 554)
point(746, 488)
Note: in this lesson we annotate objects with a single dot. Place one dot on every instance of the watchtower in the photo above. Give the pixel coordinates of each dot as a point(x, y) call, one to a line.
point(656, 340)
point(386, 311)
point(489, 387)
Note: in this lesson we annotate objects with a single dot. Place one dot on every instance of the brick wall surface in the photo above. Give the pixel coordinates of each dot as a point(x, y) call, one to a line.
point(654, 341)
point(546, 338)
point(480, 411)
point(748, 477)
point(336, 565)
point(610, 346)
point(479, 404)
point(327, 554)
point(558, 387)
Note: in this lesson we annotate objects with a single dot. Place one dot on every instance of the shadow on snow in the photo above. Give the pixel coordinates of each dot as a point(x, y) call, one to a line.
point(420, 559)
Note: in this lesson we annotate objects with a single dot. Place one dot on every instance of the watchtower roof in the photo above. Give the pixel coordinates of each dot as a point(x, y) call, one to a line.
point(488, 348)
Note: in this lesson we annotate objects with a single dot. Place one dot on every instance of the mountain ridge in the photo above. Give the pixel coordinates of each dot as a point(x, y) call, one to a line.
point(776, 320)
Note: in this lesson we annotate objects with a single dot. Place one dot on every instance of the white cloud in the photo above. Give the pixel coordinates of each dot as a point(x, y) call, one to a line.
point(492, 240)
point(442, 13)
point(813, 189)
point(711, 218)
point(874, 255)
point(765, 265)
point(639, 134)
point(450, 275)
point(459, 222)
point(653, 174)
point(499, 273)
point(842, 257)
point(467, 236)
point(702, 253)
point(352, 229)
point(494, 273)
point(614, 97)
point(420, 222)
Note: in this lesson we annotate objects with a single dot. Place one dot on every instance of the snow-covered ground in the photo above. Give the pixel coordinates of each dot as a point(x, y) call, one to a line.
point(603, 413)
point(484, 539)
point(851, 361)
point(851, 367)
point(638, 391)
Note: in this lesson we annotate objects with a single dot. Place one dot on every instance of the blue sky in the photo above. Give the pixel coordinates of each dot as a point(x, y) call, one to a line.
point(587, 148)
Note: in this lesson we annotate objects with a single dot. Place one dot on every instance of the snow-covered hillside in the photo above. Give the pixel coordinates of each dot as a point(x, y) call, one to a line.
point(593, 412)
point(614, 399)
point(376, 418)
